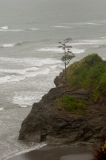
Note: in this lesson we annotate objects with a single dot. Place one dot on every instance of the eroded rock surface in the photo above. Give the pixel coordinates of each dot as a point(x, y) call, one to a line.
point(52, 123)
point(56, 125)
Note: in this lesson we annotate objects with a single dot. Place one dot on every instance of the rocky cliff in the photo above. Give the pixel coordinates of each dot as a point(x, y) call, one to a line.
point(73, 111)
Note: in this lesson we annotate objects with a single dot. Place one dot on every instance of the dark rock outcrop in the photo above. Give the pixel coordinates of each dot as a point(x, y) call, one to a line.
point(57, 125)
point(49, 122)
point(59, 80)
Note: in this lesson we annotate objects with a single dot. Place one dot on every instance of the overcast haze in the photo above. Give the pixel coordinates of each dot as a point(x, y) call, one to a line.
point(30, 58)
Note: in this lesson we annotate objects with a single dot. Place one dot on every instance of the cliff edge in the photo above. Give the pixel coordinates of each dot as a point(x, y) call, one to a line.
point(73, 111)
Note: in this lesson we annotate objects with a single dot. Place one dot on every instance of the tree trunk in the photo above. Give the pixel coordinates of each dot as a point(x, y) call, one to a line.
point(65, 72)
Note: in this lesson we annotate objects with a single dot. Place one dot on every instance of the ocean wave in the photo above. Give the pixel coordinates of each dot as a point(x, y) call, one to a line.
point(102, 22)
point(95, 41)
point(77, 51)
point(60, 50)
point(34, 146)
point(18, 71)
point(17, 78)
point(90, 42)
point(14, 44)
point(26, 98)
point(47, 49)
point(4, 27)
point(15, 30)
point(7, 45)
point(92, 23)
point(22, 43)
point(29, 61)
point(61, 26)
point(86, 23)
point(33, 29)
point(1, 109)
point(103, 37)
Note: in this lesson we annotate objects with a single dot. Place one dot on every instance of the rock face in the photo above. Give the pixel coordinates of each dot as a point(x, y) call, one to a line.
point(56, 125)
point(47, 122)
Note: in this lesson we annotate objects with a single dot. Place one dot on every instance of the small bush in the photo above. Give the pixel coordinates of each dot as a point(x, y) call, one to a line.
point(89, 73)
point(71, 104)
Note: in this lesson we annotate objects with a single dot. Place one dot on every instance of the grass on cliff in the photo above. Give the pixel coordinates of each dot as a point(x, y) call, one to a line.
point(71, 104)
point(89, 74)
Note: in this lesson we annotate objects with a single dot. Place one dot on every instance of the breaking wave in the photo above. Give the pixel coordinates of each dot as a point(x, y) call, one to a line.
point(4, 27)
point(60, 50)
point(18, 71)
point(33, 29)
point(1, 109)
point(12, 30)
point(14, 44)
point(87, 23)
point(17, 78)
point(101, 41)
point(7, 45)
point(34, 146)
point(62, 27)
point(29, 61)
point(26, 98)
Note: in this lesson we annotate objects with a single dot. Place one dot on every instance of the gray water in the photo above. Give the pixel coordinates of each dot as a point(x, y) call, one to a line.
point(30, 57)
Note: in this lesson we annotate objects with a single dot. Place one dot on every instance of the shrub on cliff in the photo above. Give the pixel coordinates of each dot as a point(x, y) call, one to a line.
point(89, 73)
point(71, 104)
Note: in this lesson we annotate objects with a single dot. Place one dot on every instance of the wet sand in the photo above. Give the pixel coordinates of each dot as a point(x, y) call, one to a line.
point(57, 153)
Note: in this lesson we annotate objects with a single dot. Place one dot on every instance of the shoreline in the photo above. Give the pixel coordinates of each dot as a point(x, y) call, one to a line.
point(57, 153)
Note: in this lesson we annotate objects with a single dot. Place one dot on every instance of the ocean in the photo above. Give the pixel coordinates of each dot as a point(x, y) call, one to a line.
point(30, 57)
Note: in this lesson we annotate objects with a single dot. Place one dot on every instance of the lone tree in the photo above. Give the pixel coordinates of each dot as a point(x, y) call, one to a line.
point(68, 55)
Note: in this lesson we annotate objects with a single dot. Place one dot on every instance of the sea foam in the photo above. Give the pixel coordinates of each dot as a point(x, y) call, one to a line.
point(29, 61)
point(34, 146)
point(26, 98)
point(60, 50)
point(47, 49)
point(77, 51)
point(100, 41)
point(1, 109)
point(33, 29)
point(61, 27)
point(7, 45)
point(14, 44)
point(4, 27)
point(17, 78)
point(86, 23)
point(18, 71)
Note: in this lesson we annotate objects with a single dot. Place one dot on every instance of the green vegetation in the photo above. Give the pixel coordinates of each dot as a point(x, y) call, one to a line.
point(89, 74)
point(68, 55)
point(71, 104)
